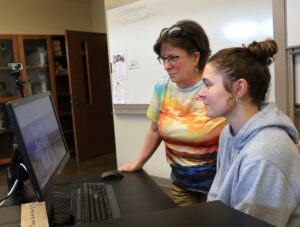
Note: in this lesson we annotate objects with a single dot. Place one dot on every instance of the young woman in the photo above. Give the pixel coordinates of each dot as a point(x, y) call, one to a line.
point(258, 167)
point(178, 116)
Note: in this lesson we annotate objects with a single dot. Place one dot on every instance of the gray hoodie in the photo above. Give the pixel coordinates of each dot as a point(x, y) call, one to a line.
point(258, 169)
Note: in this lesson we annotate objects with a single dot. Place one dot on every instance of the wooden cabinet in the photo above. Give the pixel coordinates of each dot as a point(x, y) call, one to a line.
point(8, 54)
point(34, 52)
point(83, 93)
point(62, 95)
point(8, 92)
point(36, 55)
point(75, 68)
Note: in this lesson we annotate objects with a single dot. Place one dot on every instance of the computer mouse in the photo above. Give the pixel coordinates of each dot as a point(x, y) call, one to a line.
point(111, 175)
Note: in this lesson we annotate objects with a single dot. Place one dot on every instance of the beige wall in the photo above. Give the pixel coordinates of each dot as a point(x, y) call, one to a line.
point(51, 16)
point(130, 131)
point(98, 16)
point(110, 4)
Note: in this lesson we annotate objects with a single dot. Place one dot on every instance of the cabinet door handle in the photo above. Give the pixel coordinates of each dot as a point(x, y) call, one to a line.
point(75, 101)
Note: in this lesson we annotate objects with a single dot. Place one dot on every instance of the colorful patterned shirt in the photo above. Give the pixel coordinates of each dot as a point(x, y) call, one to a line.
point(191, 138)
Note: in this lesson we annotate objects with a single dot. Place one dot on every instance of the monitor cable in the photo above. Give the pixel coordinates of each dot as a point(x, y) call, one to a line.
point(13, 188)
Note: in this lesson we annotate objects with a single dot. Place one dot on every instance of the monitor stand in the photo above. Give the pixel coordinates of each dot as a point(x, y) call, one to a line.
point(16, 171)
point(23, 192)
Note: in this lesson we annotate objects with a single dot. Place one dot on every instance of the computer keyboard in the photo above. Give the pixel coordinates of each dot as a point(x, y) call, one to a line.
point(91, 202)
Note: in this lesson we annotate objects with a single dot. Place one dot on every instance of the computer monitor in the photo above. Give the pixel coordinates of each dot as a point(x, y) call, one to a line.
point(40, 140)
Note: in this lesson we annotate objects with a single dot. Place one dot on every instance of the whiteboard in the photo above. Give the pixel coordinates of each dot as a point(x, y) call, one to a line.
point(133, 29)
point(293, 22)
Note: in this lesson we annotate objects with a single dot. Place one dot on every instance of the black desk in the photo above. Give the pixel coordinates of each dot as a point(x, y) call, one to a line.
point(143, 203)
point(212, 214)
point(136, 193)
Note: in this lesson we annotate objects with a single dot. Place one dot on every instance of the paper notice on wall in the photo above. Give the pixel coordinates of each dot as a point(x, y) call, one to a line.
point(119, 93)
point(134, 64)
point(119, 65)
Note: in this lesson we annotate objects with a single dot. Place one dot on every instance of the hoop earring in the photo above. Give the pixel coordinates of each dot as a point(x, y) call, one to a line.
point(237, 99)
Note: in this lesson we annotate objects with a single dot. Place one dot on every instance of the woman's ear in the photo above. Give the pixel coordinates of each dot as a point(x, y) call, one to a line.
point(241, 88)
point(196, 56)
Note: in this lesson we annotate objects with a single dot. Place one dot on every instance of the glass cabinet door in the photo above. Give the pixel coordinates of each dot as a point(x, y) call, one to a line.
point(8, 52)
point(36, 65)
point(8, 91)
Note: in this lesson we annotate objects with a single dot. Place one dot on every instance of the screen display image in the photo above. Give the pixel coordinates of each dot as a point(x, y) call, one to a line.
point(41, 137)
point(40, 140)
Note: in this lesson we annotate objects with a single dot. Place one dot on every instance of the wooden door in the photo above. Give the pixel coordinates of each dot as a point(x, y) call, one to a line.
point(90, 94)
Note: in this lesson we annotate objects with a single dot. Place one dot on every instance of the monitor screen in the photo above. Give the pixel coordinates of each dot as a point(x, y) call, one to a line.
point(40, 140)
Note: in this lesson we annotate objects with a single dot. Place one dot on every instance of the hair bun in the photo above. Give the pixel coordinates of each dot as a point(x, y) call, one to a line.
point(263, 51)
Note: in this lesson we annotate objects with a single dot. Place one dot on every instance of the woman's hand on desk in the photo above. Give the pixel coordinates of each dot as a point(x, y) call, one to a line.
point(151, 142)
point(130, 167)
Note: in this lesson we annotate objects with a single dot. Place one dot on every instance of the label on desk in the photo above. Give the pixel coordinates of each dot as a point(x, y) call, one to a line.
point(34, 214)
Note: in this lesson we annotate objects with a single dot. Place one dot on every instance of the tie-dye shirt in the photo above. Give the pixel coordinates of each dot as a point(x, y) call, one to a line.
point(191, 138)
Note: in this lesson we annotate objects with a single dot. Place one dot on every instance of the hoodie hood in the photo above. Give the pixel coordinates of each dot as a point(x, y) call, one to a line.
point(269, 116)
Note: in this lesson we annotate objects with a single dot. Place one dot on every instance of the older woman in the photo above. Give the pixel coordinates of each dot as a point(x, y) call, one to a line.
point(178, 117)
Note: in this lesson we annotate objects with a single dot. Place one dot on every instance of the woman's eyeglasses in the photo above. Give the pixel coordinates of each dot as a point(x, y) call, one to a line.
point(171, 59)
point(177, 32)
point(173, 31)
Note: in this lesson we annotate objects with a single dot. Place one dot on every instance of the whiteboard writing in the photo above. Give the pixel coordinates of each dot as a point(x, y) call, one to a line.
point(136, 26)
point(136, 14)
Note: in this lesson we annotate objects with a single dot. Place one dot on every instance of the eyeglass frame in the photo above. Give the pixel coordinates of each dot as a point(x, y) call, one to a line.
point(171, 59)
